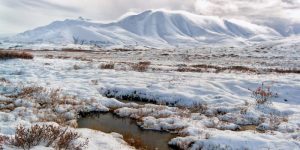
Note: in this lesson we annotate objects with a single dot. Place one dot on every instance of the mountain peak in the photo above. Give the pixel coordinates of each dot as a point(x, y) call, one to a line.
point(154, 28)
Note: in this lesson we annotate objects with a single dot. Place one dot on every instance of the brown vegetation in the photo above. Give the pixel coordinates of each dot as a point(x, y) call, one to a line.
point(14, 55)
point(199, 108)
point(263, 94)
point(27, 92)
point(110, 65)
point(3, 140)
point(293, 70)
point(141, 66)
point(45, 98)
point(49, 135)
point(217, 69)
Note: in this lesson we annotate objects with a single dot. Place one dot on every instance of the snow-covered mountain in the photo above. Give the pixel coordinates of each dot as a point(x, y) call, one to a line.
point(153, 28)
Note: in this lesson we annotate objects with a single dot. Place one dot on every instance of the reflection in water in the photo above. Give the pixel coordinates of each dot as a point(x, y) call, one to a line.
point(134, 135)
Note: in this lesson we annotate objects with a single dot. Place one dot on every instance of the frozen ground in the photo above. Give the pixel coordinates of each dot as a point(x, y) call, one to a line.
point(282, 54)
point(211, 109)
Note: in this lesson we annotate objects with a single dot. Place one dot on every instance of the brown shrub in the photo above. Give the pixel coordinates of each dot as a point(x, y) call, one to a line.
point(240, 69)
point(14, 55)
point(46, 99)
point(3, 140)
point(263, 94)
point(107, 66)
point(141, 66)
point(49, 135)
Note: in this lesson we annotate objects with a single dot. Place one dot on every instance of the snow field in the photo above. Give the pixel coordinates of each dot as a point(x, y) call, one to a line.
point(212, 126)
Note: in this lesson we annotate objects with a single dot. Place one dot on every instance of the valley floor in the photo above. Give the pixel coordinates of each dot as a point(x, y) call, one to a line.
point(207, 107)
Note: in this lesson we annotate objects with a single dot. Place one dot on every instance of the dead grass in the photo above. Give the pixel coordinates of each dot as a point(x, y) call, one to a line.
point(27, 92)
point(109, 65)
point(47, 135)
point(3, 140)
point(46, 99)
point(291, 70)
point(263, 94)
point(216, 69)
point(141, 66)
point(14, 55)
point(199, 108)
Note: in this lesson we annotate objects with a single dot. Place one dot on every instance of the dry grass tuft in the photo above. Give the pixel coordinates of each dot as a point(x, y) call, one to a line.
point(14, 55)
point(46, 135)
point(28, 92)
point(110, 65)
point(141, 66)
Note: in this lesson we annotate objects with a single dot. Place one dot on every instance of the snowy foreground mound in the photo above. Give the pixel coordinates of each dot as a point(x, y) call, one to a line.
point(153, 28)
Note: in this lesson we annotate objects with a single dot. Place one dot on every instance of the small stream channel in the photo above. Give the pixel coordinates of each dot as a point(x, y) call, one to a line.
point(132, 133)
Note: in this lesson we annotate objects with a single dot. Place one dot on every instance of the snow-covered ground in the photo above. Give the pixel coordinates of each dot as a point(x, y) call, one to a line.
point(207, 110)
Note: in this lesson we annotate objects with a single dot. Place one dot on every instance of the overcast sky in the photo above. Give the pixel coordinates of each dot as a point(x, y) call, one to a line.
point(20, 15)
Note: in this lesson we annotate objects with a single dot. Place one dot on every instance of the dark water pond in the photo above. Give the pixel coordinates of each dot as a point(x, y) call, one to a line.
point(133, 134)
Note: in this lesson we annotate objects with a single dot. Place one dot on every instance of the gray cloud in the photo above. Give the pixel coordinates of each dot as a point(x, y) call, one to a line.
point(254, 10)
point(36, 4)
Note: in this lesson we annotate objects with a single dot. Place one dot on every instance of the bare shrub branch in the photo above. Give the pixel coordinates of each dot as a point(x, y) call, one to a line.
point(263, 94)
point(49, 135)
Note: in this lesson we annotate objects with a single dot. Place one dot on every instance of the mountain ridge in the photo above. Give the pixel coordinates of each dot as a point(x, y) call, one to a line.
point(153, 28)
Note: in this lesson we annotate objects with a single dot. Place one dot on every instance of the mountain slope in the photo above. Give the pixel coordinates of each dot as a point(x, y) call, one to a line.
point(151, 28)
